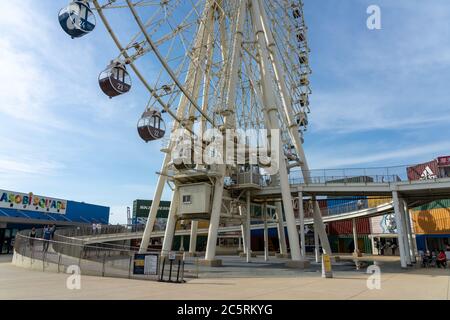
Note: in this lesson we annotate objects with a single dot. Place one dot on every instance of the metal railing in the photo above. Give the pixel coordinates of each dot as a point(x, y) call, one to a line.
point(66, 250)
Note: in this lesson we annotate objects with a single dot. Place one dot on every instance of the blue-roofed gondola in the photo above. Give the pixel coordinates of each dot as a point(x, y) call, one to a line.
point(115, 80)
point(151, 126)
point(77, 19)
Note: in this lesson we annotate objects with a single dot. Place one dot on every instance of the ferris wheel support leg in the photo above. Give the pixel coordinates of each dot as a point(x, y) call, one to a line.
point(210, 257)
point(243, 231)
point(400, 229)
point(293, 128)
point(280, 229)
point(171, 224)
point(271, 115)
point(193, 240)
point(154, 208)
point(301, 213)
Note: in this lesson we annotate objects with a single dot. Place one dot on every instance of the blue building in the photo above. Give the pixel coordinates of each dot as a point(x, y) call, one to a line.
point(19, 211)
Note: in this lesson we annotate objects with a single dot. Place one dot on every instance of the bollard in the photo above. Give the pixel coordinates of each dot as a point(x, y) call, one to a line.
point(326, 267)
point(170, 271)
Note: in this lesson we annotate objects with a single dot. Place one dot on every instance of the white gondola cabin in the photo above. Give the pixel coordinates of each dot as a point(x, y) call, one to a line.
point(77, 19)
point(115, 80)
point(151, 126)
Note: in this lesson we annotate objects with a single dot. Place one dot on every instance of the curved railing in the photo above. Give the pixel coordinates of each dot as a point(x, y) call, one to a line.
point(67, 249)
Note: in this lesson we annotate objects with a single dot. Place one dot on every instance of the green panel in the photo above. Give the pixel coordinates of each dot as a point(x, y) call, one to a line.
point(141, 208)
point(439, 204)
point(348, 241)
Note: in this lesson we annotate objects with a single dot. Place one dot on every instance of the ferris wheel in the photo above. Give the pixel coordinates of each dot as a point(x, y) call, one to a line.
point(223, 64)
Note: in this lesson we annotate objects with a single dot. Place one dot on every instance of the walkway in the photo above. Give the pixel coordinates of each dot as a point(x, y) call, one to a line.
point(18, 283)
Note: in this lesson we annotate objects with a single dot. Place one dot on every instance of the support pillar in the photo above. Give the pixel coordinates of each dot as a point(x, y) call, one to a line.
point(356, 252)
point(316, 244)
point(266, 233)
point(271, 114)
point(247, 227)
point(280, 229)
point(193, 240)
point(408, 233)
point(243, 229)
point(400, 229)
point(301, 213)
point(210, 256)
point(171, 224)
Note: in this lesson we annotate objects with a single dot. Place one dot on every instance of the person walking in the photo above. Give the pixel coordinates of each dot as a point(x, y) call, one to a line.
point(394, 249)
point(47, 238)
point(32, 236)
point(99, 228)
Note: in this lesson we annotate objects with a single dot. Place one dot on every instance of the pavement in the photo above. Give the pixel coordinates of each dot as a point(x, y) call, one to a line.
point(235, 284)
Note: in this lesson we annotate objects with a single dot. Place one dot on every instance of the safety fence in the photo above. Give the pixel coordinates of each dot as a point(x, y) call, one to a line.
point(65, 252)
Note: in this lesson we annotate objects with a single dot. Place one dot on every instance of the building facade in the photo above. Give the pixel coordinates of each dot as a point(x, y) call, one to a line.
point(21, 211)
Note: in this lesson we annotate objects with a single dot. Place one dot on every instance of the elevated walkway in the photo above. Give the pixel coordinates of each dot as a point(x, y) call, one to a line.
point(369, 212)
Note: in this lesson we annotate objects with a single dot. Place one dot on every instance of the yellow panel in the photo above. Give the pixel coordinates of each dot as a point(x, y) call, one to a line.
point(434, 221)
point(374, 202)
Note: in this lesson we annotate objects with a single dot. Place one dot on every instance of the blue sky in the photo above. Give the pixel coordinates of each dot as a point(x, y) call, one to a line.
point(380, 98)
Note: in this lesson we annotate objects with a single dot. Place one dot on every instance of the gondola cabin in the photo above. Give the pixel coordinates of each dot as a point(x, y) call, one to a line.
point(115, 80)
point(77, 19)
point(151, 126)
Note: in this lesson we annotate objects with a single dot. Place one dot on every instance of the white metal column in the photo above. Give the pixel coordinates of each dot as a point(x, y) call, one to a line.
point(355, 237)
point(243, 229)
point(171, 224)
point(266, 233)
point(316, 245)
point(280, 229)
point(193, 240)
point(400, 227)
point(271, 112)
point(301, 213)
point(229, 122)
point(247, 227)
point(413, 243)
point(408, 234)
point(292, 126)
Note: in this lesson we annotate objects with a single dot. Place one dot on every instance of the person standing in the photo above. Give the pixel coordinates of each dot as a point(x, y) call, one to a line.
point(441, 260)
point(47, 237)
point(94, 228)
point(32, 236)
point(99, 228)
point(394, 249)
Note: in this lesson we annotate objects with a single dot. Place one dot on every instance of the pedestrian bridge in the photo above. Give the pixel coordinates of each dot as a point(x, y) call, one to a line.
point(128, 235)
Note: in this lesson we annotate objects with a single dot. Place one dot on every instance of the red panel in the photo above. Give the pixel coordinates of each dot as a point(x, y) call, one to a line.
point(424, 171)
point(444, 161)
point(306, 207)
point(346, 227)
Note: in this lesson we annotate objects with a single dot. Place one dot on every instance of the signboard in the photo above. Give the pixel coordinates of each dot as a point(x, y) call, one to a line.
point(146, 263)
point(444, 161)
point(31, 202)
point(386, 224)
point(141, 209)
point(172, 255)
